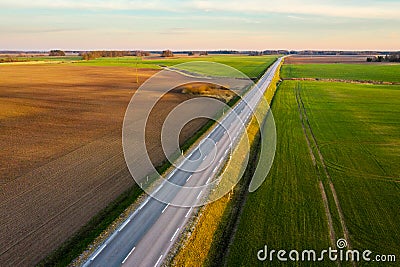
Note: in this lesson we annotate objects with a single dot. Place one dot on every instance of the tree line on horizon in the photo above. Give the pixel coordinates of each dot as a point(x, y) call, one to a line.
point(387, 58)
point(113, 53)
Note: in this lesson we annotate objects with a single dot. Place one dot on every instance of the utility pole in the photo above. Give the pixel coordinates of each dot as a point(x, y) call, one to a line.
point(137, 74)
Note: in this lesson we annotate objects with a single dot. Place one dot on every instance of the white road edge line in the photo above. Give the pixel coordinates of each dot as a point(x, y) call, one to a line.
point(158, 261)
point(158, 189)
point(124, 224)
point(165, 208)
point(98, 252)
point(172, 238)
point(127, 256)
point(144, 203)
point(199, 194)
point(208, 180)
point(189, 178)
point(187, 214)
point(215, 169)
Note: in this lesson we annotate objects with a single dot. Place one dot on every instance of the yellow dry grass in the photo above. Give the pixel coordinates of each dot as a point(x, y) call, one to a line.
point(197, 246)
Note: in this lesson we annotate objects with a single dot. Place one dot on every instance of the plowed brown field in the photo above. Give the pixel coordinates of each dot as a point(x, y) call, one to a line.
point(300, 59)
point(61, 157)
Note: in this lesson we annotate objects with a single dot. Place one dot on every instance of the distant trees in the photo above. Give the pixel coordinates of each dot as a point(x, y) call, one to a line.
point(10, 59)
point(56, 53)
point(255, 53)
point(96, 54)
point(167, 53)
point(201, 53)
point(395, 57)
point(141, 53)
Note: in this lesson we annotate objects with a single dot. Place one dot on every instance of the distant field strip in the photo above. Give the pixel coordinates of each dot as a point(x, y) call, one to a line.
point(359, 72)
point(253, 67)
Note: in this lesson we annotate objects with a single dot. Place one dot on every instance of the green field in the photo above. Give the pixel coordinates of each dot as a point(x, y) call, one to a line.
point(249, 65)
point(357, 130)
point(47, 58)
point(362, 72)
point(286, 212)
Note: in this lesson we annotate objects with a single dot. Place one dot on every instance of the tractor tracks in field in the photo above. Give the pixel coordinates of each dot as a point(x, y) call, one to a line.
point(342, 81)
point(320, 164)
point(332, 235)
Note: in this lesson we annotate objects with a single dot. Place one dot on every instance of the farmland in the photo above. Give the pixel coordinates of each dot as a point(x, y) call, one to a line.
point(356, 129)
point(61, 156)
point(305, 59)
point(360, 72)
point(286, 211)
point(250, 66)
point(64, 120)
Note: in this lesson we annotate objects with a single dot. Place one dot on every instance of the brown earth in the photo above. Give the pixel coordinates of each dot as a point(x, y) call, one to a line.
point(298, 59)
point(204, 89)
point(61, 157)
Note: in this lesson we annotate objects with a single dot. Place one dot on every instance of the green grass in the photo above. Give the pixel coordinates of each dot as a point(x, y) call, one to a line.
point(358, 132)
point(286, 212)
point(249, 65)
point(362, 72)
point(47, 58)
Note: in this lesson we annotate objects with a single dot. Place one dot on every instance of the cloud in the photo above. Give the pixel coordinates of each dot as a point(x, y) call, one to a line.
point(349, 9)
point(373, 10)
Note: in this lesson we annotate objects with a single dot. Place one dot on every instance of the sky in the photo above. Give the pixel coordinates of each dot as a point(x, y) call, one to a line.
point(200, 25)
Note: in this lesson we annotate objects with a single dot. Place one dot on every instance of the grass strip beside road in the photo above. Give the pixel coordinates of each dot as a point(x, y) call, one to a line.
point(287, 211)
point(210, 238)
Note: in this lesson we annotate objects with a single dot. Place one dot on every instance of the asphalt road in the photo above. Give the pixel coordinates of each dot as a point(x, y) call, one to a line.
point(146, 237)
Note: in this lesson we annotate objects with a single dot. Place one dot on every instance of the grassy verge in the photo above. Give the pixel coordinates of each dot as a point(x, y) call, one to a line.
point(210, 238)
point(74, 246)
